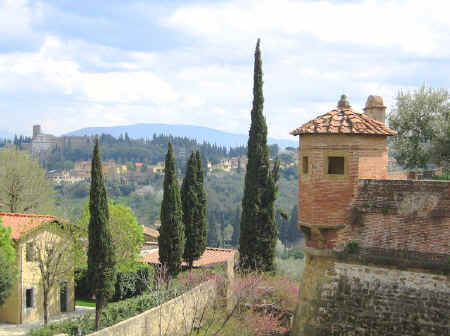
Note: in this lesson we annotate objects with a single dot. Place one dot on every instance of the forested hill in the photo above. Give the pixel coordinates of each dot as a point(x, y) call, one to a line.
point(198, 133)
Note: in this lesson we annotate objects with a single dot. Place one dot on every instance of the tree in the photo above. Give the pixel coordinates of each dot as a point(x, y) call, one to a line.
point(53, 252)
point(8, 270)
point(416, 118)
point(23, 186)
point(127, 234)
point(258, 229)
point(171, 232)
point(236, 227)
point(193, 198)
point(101, 258)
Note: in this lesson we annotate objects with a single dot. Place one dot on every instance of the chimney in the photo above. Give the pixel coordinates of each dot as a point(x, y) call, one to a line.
point(375, 108)
point(36, 130)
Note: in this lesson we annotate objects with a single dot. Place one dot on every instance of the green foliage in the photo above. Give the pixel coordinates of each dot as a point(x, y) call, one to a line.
point(258, 227)
point(171, 232)
point(23, 185)
point(8, 267)
point(422, 121)
point(127, 234)
point(193, 199)
point(352, 247)
point(128, 283)
point(236, 227)
point(101, 257)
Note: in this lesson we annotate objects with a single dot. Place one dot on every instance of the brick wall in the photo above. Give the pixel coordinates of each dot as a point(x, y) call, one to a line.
point(402, 215)
point(324, 199)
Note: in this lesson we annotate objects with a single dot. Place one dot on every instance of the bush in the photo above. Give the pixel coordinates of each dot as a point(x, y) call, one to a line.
point(128, 284)
point(352, 247)
point(111, 314)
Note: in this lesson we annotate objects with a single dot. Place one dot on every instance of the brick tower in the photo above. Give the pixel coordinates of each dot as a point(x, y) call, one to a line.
point(336, 150)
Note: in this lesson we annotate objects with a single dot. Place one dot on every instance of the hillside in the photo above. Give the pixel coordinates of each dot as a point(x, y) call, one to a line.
point(198, 133)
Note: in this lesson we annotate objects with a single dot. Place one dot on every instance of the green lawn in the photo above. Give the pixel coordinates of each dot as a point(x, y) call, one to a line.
point(85, 302)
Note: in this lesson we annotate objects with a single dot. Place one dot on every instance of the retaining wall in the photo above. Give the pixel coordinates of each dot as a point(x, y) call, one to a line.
point(175, 317)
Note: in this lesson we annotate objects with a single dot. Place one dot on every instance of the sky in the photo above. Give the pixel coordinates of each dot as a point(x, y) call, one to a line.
point(69, 64)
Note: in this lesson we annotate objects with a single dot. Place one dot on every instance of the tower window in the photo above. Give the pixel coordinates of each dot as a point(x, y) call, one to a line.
point(336, 165)
point(305, 165)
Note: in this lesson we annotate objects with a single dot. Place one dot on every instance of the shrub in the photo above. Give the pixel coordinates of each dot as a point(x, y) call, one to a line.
point(352, 247)
point(128, 284)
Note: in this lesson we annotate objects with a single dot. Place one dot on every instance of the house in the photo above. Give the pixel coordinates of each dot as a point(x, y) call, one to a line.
point(211, 257)
point(150, 235)
point(25, 302)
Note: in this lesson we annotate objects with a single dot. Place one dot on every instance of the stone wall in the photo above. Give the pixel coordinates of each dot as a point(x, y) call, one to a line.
point(402, 215)
point(175, 317)
point(343, 298)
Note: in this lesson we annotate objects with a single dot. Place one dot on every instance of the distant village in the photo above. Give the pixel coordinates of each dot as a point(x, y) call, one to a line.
point(133, 172)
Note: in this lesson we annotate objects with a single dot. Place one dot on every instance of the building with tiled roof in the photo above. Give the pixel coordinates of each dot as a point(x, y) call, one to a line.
point(364, 230)
point(25, 302)
point(21, 223)
point(344, 120)
point(211, 257)
point(150, 235)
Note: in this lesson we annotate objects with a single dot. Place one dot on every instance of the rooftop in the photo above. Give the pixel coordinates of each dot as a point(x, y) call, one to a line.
point(344, 120)
point(150, 232)
point(211, 256)
point(21, 223)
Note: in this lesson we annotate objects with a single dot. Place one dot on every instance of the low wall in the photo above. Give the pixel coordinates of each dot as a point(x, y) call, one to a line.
point(175, 317)
point(343, 298)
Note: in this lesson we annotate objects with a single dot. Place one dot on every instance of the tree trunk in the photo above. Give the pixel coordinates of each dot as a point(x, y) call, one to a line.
point(98, 310)
point(45, 306)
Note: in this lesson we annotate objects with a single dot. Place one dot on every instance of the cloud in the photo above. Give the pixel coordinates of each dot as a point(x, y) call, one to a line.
point(116, 62)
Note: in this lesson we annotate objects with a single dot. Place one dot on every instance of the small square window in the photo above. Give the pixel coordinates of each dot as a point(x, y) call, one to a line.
point(336, 165)
point(305, 165)
point(29, 298)
point(30, 253)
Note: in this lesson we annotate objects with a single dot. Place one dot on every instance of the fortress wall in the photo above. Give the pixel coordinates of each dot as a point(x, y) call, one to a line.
point(400, 215)
point(339, 297)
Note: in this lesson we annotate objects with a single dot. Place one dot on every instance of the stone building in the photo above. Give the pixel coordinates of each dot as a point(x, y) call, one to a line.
point(25, 302)
point(43, 144)
point(377, 250)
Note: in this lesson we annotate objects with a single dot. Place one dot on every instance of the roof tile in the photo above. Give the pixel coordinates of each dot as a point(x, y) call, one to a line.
point(21, 223)
point(344, 121)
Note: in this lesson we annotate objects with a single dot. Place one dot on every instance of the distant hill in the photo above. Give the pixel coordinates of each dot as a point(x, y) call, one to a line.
point(198, 133)
point(6, 134)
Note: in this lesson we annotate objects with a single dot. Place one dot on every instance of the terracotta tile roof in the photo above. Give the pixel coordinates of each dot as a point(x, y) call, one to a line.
point(150, 232)
point(210, 257)
point(21, 223)
point(344, 120)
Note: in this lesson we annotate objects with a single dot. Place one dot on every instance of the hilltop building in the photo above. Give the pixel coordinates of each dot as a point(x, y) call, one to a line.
point(42, 144)
point(377, 249)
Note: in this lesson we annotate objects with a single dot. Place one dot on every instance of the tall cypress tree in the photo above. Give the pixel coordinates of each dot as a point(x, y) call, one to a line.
point(193, 198)
point(202, 225)
point(171, 232)
point(101, 258)
point(258, 227)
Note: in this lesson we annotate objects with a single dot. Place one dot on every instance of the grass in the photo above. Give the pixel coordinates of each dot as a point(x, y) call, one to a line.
point(85, 303)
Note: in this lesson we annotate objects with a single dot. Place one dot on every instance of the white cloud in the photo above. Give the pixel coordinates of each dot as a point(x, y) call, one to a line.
point(414, 26)
point(313, 51)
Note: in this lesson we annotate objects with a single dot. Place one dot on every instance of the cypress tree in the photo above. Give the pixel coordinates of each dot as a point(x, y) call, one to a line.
point(190, 202)
point(258, 227)
point(201, 217)
point(193, 198)
point(101, 258)
point(171, 232)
